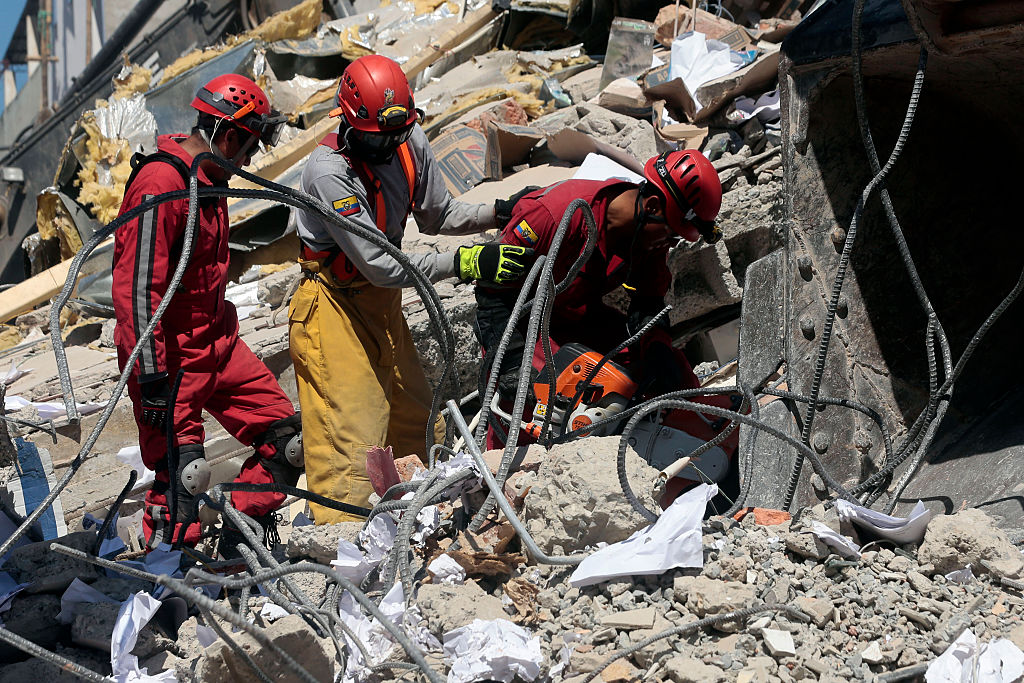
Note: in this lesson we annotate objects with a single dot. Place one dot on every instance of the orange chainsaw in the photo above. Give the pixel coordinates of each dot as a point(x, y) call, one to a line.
point(579, 402)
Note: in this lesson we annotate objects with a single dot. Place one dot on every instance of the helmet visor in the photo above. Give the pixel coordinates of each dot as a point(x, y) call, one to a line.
point(383, 141)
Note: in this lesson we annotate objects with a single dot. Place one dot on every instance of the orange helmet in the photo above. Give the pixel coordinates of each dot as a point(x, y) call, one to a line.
point(376, 106)
point(692, 192)
point(235, 98)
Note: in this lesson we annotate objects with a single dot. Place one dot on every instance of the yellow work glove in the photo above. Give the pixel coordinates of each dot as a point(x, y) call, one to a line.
point(501, 264)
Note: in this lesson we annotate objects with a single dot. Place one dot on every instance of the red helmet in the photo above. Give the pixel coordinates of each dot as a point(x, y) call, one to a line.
point(692, 192)
point(237, 99)
point(374, 96)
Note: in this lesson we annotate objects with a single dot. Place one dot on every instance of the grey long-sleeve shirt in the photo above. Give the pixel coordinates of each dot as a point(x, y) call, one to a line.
point(329, 177)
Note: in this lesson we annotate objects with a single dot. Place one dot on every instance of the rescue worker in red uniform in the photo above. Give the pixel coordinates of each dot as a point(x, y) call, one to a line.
point(198, 332)
point(636, 225)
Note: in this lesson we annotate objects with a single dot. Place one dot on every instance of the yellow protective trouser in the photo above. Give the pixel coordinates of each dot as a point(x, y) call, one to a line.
point(360, 385)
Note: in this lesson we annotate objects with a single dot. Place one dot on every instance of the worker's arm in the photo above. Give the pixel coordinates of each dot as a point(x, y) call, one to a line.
point(493, 311)
point(151, 246)
point(345, 192)
point(434, 208)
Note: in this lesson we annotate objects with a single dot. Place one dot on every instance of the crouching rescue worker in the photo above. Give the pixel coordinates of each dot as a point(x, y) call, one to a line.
point(359, 378)
point(679, 197)
point(198, 332)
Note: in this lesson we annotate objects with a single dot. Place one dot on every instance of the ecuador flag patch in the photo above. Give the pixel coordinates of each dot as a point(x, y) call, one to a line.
point(526, 233)
point(349, 206)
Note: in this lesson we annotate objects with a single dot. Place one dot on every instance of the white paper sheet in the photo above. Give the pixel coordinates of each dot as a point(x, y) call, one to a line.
point(766, 108)
point(48, 410)
point(898, 529)
point(964, 661)
point(841, 544)
point(449, 467)
point(14, 373)
point(374, 636)
point(961, 576)
point(600, 167)
point(378, 538)
point(76, 594)
point(447, 571)
point(135, 613)
point(427, 522)
point(495, 650)
point(674, 540)
point(272, 611)
point(697, 60)
point(132, 456)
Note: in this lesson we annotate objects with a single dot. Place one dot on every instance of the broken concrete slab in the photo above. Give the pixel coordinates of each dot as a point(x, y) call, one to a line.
point(779, 643)
point(33, 617)
point(221, 663)
point(93, 627)
point(630, 619)
point(708, 597)
point(971, 537)
point(50, 572)
point(320, 542)
point(449, 607)
point(576, 500)
point(682, 669)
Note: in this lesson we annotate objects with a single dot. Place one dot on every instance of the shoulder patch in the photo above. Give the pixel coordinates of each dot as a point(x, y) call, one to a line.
point(348, 206)
point(526, 233)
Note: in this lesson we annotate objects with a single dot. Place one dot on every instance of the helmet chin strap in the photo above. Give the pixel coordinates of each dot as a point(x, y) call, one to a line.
point(216, 151)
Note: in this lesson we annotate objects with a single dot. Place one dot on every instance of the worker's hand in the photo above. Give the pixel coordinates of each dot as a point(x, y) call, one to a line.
point(503, 207)
point(662, 373)
point(156, 396)
point(498, 263)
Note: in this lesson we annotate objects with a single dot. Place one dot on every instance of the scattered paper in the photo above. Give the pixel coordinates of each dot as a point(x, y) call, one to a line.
point(14, 374)
point(447, 468)
point(674, 540)
point(961, 576)
point(48, 410)
point(599, 167)
point(447, 571)
point(898, 529)
point(841, 544)
point(205, 635)
point(569, 639)
point(76, 594)
point(766, 108)
point(272, 611)
point(135, 613)
point(427, 522)
point(696, 60)
point(370, 632)
point(495, 650)
point(111, 545)
point(999, 661)
point(132, 456)
point(378, 538)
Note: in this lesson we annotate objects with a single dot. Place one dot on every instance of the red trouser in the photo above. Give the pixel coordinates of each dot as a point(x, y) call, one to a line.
point(243, 396)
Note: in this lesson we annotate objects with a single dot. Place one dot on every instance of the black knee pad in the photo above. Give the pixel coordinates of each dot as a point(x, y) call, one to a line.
point(192, 477)
point(285, 435)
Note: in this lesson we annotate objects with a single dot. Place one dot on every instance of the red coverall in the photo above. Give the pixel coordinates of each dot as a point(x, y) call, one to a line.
point(198, 333)
point(579, 314)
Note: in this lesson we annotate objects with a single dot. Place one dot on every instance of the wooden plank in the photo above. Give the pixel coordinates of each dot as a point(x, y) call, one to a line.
point(26, 295)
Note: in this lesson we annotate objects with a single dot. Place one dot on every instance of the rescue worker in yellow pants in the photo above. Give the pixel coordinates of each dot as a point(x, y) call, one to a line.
point(359, 378)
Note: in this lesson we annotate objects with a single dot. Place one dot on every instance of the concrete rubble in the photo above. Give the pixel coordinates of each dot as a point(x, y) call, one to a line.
point(818, 615)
